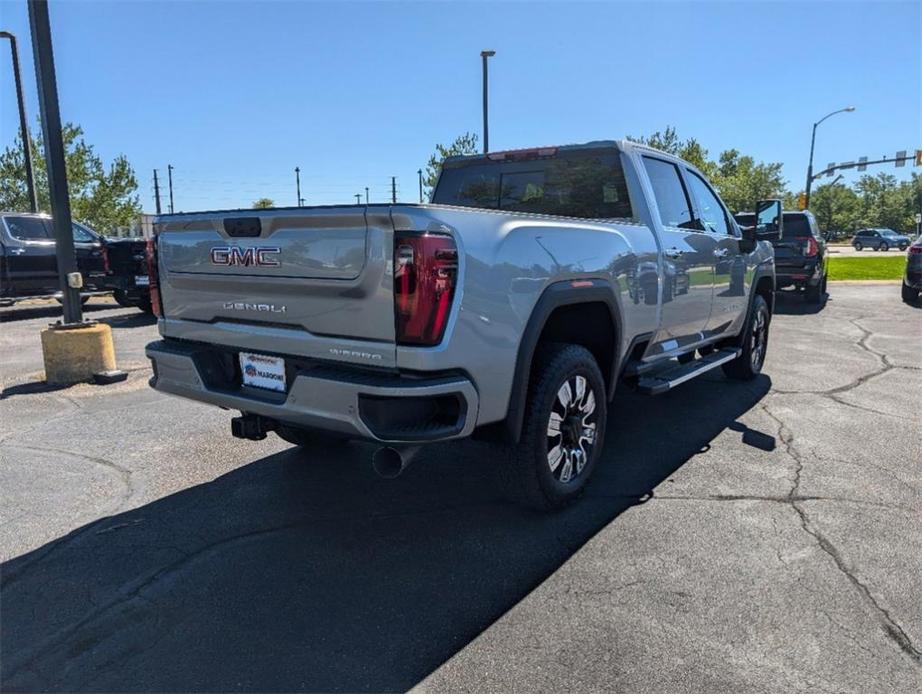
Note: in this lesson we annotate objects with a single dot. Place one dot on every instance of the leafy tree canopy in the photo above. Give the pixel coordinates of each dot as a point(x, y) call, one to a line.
point(263, 204)
point(463, 144)
point(104, 197)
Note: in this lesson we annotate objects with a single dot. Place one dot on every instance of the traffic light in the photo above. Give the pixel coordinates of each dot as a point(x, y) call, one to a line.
point(802, 201)
point(918, 158)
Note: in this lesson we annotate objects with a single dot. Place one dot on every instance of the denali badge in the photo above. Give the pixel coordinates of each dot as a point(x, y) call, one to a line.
point(256, 256)
point(247, 306)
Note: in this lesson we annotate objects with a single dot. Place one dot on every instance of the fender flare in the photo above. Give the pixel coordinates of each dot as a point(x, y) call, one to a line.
point(762, 270)
point(564, 293)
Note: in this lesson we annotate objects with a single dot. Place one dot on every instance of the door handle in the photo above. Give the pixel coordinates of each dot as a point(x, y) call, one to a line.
point(17, 251)
point(674, 252)
point(721, 252)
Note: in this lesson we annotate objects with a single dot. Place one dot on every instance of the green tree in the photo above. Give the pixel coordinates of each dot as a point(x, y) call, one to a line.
point(464, 144)
point(836, 206)
point(103, 197)
point(742, 181)
point(263, 204)
point(690, 150)
point(886, 203)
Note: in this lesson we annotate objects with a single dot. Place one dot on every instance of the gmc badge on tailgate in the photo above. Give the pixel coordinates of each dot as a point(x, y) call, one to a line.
point(255, 256)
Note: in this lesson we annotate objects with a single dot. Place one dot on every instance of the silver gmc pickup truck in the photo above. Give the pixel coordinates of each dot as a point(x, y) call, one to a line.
point(508, 309)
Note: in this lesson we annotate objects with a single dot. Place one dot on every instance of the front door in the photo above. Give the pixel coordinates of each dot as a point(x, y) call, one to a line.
point(688, 262)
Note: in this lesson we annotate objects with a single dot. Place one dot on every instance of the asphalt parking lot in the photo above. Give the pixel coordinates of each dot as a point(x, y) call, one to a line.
point(756, 537)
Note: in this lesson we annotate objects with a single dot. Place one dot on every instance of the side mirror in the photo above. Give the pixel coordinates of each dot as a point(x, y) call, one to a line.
point(769, 220)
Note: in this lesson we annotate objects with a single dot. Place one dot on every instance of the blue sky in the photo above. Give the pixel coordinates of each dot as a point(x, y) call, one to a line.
point(235, 95)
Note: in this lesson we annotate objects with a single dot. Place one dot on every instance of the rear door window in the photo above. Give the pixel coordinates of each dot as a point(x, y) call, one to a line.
point(669, 192)
point(28, 228)
point(580, 183)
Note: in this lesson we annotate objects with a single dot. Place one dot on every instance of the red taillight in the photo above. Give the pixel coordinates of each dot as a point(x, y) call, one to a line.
point(425, 275)
point(812, 248)
point(915, 249)
point(152, 278)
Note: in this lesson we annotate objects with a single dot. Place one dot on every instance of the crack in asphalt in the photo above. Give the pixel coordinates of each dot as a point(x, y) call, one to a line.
point(890, 626)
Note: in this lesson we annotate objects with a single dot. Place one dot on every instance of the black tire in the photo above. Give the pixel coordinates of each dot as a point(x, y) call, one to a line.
point(813, 293)
point(903, 246)
point(858, 246)
point(146, 306)
point(910, 294)
point(121, 298)
point(531, 477)
point(884, 247)
point(754, 342)
point(307, 438)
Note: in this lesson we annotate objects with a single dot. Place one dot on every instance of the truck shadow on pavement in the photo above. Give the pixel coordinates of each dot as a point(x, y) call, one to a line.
point(791, 303)
point(303, 571)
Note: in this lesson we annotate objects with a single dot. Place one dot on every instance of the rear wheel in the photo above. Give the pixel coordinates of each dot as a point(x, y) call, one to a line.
point(884, 247)
point(748, 364)
point(121, 298)
point(564, 429)
point(813, 293)
point(910, 294)
point(858, 245)
point(903, 246)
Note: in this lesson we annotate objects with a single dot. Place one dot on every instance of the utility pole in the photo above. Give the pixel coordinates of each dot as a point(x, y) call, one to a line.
point(23, 124)
point(70, 278)
point(169, 174)
point(157, 191)
point(394, 189)
point(366, 195)
point(419, 173)
point(298, 185)
point(358, 198)
point(486, 128)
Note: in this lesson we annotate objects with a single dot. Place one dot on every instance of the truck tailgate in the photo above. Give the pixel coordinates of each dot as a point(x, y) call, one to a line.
point(314, 282)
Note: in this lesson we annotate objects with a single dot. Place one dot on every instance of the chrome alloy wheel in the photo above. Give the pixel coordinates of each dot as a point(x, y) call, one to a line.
point(571, 429)
point(759, 339)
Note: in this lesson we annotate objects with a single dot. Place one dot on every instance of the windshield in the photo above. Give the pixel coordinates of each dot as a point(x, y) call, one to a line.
point(575, 183)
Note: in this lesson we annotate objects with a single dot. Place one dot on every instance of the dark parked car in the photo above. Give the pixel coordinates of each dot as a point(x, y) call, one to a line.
point(912, 280)
point(801, 260)
point(127, 272)
point(28, 264)
point(880, 240)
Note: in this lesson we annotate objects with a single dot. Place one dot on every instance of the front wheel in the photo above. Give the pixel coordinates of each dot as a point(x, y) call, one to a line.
point(910, 294)
point(883, 247)
point(748, 364)
point(564, 429)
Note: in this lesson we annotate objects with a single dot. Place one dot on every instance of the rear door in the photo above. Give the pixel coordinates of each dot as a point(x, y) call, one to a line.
point(688, 263)
point(31, 262)
point(304, 281)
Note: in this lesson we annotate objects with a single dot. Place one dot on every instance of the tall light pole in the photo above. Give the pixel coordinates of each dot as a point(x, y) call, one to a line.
point(847, 109)
point(169, 175)
point(486, 127)
point(298, 185)
point(23, 123)
point(419, 173)
point(70, 278)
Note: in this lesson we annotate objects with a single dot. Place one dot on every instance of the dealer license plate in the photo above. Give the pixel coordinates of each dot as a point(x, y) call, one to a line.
point(142, 280)
point(261, 371)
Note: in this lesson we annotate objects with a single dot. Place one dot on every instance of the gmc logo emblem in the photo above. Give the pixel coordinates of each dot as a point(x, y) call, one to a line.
point(255, 256)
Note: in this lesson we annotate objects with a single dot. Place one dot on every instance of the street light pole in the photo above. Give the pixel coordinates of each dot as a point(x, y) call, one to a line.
point(419, 173)
point(847, 109)
point(70, 278)
point(169, 175)
point(486, 127)
point(23, 123)
point(298, 184)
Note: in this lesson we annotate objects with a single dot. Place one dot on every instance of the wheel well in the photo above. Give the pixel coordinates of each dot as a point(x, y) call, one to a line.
point(590, 325)
point(765, 288)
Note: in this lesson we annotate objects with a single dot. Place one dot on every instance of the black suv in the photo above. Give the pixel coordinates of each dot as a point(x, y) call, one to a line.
point(801, 260)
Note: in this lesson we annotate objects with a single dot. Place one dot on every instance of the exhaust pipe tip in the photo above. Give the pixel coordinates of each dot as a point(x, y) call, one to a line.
point(389, 462)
